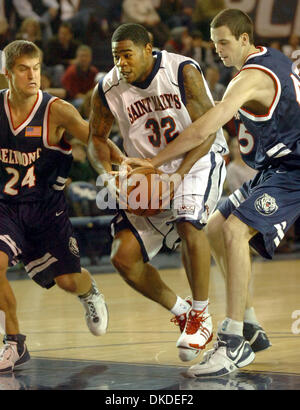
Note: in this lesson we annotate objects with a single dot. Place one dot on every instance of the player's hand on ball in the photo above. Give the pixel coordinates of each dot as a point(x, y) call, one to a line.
point(138, 162)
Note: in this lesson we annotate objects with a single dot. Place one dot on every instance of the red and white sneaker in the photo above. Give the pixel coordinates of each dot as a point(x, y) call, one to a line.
point(196, 334)
point(180, 320)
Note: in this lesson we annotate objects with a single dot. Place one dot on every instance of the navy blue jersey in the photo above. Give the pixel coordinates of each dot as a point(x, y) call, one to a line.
point(273, 139)
point(29, 166)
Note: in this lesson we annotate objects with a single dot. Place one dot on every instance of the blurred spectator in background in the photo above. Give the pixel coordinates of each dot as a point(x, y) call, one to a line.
point(172, 12)
point(79, 78)
point(60, 52)
point(30, 30)
point(292, 46)
point(143, 12)
point(180, 41)
point(81, 169)
point(46, 86)
point(81, 185)
point(85, 107)
point(275, 44)
point(204, 12)
point(112, 12)
point(5, 34)
point(238, 171)
point(202, 51)
point(44, 11)
point(212, 75)
point(80, 16)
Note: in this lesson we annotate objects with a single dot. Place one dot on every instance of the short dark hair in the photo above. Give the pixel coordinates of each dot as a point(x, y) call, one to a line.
point(19, 48)
point(236, 20)
point(131, 31)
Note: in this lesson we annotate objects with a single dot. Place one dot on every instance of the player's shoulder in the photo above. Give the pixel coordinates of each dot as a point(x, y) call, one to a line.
point(268, 57)
point(62, 109)
point(176, 59)
point(110, 79)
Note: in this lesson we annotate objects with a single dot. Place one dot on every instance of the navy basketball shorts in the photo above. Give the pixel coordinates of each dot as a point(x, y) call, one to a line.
point(40, 235)
point(269, 203)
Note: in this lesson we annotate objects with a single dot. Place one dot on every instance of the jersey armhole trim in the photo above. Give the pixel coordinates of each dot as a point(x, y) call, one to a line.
point(46, 124)
point(258, 118)
point(101, 93)
point(181, 80)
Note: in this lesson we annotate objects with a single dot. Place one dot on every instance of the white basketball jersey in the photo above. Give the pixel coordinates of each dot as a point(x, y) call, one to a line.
point(153, 113)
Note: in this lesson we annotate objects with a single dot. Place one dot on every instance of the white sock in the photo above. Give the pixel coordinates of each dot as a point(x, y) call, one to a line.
point(181, 306)
point(230, 326)
point(200, 304)
point(250, 316)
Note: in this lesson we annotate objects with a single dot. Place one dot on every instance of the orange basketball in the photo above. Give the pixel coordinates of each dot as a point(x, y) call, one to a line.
point(141, 191)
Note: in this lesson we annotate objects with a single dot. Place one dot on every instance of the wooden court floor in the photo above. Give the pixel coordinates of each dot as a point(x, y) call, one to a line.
point(138, 352)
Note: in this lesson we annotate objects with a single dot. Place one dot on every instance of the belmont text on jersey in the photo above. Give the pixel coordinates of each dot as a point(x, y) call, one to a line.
point(30, 167)
point(9, 156)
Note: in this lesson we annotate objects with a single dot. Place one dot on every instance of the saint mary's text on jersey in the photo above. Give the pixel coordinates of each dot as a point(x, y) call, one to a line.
point(154, 103)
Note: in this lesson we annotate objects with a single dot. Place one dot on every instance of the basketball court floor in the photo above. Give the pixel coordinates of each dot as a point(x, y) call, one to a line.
point(138, 352)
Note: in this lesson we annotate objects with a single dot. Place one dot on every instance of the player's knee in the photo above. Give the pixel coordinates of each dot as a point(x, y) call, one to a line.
point(234, 231)
point(121, 263)
point(189, 234)
point(126, 266)
point(67, 283)
point(3, 264)
point(214, 227)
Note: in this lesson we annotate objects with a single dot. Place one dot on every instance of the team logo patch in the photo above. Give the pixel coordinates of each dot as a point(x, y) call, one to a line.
point(35, 131)
point(73, 246)
point(186, 210)
point(266, 205)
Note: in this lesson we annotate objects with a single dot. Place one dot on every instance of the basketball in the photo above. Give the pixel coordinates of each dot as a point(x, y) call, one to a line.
point(141, 191)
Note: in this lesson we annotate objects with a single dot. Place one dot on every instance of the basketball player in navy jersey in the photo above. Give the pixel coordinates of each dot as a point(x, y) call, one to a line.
point(154, 96)
point(34, 224)
point(265, 95)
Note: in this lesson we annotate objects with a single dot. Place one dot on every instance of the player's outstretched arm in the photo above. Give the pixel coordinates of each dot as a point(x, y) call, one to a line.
point(64, 116)
point(198, 103)
point(241, 89)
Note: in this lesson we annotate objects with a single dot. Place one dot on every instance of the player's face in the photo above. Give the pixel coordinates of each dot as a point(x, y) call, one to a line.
point(25, 76)
point(229, 49)
point(133, 61)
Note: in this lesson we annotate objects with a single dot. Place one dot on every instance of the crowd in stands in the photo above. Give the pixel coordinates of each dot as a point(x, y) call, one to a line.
point(68, 30)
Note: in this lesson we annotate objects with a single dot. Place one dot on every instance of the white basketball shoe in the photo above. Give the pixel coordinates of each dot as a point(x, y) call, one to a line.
point(96, 311)
point(230, 353)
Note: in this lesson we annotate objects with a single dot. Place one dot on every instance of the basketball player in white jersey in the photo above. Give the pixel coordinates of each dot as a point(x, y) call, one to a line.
point(153, 97)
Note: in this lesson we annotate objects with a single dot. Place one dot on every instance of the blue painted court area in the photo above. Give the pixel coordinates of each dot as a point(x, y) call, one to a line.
point(53, 374)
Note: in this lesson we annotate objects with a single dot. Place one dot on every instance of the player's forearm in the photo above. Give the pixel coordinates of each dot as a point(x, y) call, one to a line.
point(99, 155)
point(197, 134)
point(116, 155)
point(194, 155)
point(185, 142)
